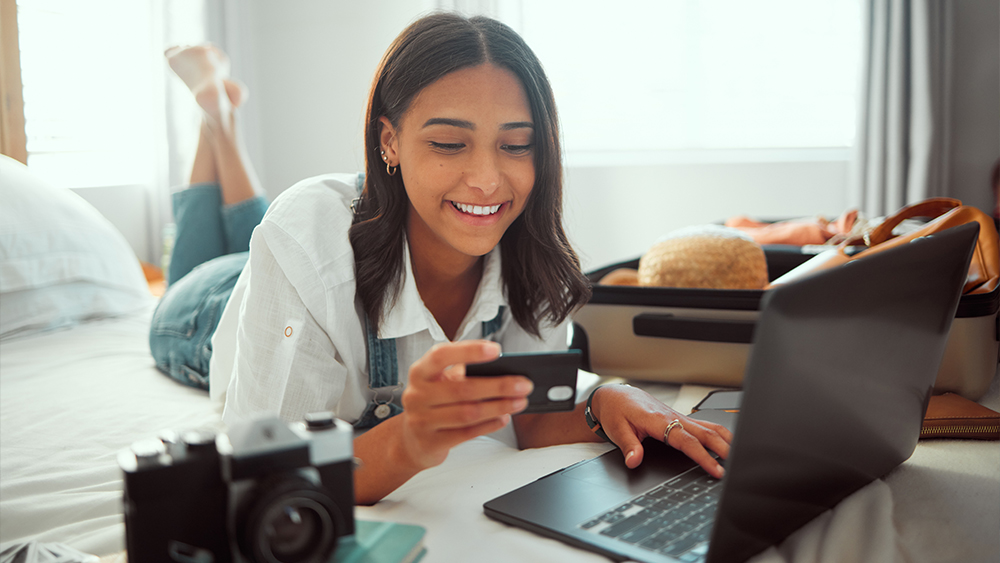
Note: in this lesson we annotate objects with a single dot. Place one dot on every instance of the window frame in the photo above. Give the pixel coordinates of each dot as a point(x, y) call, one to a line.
point(13, 141)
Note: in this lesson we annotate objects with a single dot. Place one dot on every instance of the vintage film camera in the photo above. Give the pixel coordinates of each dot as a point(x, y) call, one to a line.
point(266, 491)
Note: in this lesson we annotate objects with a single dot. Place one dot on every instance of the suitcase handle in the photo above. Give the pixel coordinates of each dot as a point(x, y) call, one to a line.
point(665, 325)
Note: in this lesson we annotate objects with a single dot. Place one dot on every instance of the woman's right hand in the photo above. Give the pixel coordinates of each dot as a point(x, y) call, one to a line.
point(442, 408)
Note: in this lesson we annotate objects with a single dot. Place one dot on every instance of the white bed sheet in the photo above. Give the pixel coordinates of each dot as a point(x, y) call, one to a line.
point(70, 400)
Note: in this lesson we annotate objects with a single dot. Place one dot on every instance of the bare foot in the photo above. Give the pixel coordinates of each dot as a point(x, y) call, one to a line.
point(205, 71)
point(236, 91)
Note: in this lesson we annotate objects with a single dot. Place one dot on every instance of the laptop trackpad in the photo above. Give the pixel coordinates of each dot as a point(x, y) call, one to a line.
point(659, 463)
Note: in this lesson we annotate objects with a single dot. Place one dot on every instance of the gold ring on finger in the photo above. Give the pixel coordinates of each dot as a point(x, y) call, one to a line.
point(671, 426)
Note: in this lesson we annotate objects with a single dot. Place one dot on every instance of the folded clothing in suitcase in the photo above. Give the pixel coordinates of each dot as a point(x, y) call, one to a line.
point(703, 336)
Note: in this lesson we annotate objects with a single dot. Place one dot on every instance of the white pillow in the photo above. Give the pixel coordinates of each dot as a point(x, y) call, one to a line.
point(61, 261)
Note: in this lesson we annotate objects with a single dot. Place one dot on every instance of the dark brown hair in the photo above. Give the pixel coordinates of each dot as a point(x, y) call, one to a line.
point(540, 270)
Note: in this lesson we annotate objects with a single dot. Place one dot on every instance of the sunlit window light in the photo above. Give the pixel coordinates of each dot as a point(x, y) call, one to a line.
point(682, 75)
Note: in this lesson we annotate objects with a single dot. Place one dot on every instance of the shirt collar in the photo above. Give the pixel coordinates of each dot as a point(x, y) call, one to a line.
point(409, 315)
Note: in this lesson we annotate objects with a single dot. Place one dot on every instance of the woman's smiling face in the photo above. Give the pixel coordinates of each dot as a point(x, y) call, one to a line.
point(465, 151)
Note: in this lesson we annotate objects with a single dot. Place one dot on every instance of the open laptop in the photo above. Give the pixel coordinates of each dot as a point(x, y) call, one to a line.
point(834, 396)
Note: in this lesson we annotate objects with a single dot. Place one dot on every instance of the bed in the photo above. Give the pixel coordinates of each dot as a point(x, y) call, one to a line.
point(78, 386)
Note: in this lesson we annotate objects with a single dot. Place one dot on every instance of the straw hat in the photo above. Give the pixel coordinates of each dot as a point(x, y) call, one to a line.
point(707, 256)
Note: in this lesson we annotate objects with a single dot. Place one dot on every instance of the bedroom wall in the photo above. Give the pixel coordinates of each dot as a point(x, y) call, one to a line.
point(311, 64)
point(618, 212)
point(308, 64)
point(128, 208)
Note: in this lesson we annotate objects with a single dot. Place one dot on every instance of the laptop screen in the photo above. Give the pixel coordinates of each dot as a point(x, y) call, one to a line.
point(848, 357)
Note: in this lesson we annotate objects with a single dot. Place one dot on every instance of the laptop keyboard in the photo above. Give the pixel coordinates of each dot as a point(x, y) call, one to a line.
point(674, 518)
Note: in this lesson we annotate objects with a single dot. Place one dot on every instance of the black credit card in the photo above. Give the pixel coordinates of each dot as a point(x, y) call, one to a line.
point(553, 373)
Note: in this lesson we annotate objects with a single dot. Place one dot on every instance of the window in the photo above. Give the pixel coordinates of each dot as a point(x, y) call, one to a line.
point(93, 83)
point(640, 80)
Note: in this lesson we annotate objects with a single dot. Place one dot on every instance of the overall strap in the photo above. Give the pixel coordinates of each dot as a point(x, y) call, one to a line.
point(383, 380)
point(383, 373)
point(493, 325)
point(383, 368)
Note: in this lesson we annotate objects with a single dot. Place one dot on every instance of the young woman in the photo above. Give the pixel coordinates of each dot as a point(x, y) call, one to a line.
point(368, 296)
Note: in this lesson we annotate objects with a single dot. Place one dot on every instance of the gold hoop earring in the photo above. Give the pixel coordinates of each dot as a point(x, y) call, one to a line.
point(388, 169)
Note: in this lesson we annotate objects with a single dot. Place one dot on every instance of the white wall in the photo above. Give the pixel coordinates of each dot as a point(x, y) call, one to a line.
point(616, 213)
point(312, 66)
point(128, 208)
point(312, 62)
point(309, 65)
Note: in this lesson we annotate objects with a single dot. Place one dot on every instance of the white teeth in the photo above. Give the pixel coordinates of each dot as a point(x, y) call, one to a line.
point(476, 209)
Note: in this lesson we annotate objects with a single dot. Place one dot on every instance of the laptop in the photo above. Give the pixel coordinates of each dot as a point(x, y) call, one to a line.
point(834, 395)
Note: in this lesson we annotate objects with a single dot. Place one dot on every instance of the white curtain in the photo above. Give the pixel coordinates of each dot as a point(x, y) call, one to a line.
point(191, 22)
point(902, 145)
point(103, 111)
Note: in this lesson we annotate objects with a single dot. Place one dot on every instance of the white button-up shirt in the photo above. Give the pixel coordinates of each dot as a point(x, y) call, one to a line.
point(292, 337)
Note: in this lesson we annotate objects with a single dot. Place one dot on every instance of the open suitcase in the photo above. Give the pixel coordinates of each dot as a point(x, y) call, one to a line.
point(703, 336)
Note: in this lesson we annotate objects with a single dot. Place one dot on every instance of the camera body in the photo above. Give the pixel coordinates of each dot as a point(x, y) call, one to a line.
point(266, 491)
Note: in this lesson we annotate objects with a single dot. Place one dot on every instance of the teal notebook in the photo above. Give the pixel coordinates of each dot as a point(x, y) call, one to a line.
point(382, 542)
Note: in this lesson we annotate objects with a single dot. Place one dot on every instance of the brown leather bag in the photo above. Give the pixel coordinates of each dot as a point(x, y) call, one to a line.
point(984, 270)
point(953, 416)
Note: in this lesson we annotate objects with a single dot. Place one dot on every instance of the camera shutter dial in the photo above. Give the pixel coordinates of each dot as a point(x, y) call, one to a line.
point(319, 420)
point(147, 452)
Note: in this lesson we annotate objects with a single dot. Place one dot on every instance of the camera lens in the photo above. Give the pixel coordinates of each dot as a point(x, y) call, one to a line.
point(289, 521)
point(297, 531)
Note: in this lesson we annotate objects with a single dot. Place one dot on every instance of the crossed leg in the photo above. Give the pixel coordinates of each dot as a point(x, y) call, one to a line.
point(221, 155)
point(215, 218)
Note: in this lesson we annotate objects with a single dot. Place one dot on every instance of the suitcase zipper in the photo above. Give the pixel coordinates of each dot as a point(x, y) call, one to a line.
point(925, 432)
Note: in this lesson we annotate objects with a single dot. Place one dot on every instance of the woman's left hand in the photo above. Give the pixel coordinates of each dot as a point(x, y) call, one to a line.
point(627, 415)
